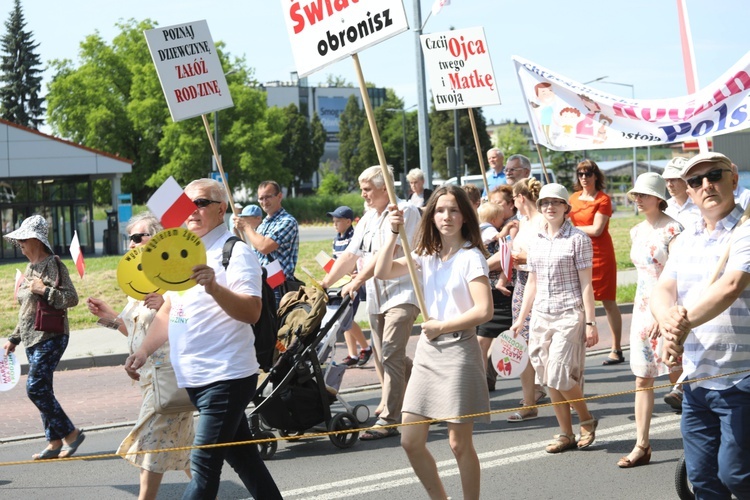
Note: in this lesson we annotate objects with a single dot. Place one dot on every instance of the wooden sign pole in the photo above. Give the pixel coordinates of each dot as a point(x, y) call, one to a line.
point(480, 155)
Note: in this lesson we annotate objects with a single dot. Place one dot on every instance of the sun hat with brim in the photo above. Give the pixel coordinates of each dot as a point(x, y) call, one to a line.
point(33, 227)
point(699, 159)
point(251, 211)
point(651, 184)
point(673, 170)
point(557, 191)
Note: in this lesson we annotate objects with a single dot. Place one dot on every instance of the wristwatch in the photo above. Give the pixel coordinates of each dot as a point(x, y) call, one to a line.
point(591, 323)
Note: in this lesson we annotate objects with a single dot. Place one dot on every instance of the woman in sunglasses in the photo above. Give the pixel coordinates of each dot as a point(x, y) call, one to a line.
point(591, 209)
point(152, 431)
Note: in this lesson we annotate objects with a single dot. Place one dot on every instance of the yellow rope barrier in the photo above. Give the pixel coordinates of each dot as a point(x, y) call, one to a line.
point(357, 430)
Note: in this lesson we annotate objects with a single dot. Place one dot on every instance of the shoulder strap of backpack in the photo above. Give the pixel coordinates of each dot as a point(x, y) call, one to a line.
point(226, 252)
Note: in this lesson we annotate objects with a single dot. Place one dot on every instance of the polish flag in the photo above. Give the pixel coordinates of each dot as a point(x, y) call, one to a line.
point(19, 279)
point(325, 261)
point(170, 204)
point(438, 5)
point(75, 252)
point(506, 261)
point(275, 275)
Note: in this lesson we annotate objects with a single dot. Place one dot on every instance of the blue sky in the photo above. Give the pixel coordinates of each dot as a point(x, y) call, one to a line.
point(634, 42)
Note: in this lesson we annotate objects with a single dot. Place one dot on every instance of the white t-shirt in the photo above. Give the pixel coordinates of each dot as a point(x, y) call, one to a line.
point(446, 284)
point(206, 344)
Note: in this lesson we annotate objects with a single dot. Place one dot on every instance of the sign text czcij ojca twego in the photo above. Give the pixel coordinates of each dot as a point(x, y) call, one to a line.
point(460, 69)
point(189, 69)
point(325, 31)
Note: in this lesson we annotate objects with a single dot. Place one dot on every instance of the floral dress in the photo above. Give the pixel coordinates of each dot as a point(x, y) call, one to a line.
point(649, 252)
point(153, 431)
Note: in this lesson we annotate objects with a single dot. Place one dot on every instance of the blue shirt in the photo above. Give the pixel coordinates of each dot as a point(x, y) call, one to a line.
point(282, 228)
point(341, 241)
point(493, 180)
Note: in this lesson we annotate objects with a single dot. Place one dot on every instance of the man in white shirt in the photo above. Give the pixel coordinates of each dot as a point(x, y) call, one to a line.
point(392, 304)
point(212, 349)
point(741, 194)
point(680, 207)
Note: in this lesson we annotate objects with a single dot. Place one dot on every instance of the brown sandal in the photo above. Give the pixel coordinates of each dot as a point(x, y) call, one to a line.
point(587, 438)
point(626, 463)
point(561, 443)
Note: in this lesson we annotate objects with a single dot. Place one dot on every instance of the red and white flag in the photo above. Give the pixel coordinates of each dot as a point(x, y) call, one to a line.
point(170, 204)
point(19, 279)
point(506, 261)
point(325, 261)
point(75, 252)
point(439, 4)
point(274, 274)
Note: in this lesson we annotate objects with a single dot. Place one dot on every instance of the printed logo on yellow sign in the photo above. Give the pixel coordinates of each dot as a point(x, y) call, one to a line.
point(131, 278)
point(170, 256)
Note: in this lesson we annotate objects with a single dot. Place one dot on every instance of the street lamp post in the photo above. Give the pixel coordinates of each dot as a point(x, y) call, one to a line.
point(602, 79)
point(403, 124)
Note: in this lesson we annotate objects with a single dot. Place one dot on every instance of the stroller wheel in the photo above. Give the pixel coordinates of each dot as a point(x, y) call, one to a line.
point(292, 436)
point(684, 489)
point(268, 449)
point(362, 413)
point(341, 422)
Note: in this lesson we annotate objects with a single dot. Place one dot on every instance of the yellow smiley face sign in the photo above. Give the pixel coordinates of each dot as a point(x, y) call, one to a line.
point(131, 278)
point(169, 258)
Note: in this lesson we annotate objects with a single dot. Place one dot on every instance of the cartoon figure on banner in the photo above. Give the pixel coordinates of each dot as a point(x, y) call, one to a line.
point(545, 108)
point(569, 118)
point(601, 134)
point(585, 127)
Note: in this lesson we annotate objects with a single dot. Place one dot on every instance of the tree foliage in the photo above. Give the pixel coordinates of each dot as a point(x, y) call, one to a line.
point(511, 140)
point(351, 121)
point(20, 73)
point(442, 136)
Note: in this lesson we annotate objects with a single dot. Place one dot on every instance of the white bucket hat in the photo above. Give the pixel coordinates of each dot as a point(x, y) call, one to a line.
point(649, 183)
point(552, 191)
point(673, 170)
point(33, 227)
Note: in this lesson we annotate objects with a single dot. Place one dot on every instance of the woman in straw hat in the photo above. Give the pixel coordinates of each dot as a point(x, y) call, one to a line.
point(649, 251)
point(562, 326)
point(46, 279)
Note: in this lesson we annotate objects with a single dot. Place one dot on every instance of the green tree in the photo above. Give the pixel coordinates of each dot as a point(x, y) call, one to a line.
point(337, 81)
point(20, 73)
point(351, 121)
point(442, 136)
point(511, 140)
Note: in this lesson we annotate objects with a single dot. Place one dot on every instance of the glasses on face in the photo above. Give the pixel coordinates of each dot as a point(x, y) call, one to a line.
point(203, 202)
point(551, 203)
point(138, 237)
point(514, 170)
point(267, 197)
point(713, 176)
point(585, 173)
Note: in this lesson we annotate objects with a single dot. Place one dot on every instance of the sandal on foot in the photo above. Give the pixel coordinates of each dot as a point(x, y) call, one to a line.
point(47, 454)
point(561, 443)
point(614, 361)
point(539, 396)
point(378, 432)
point(71, 448)
point(523, 416)
point(587, 438)
point(626, 463)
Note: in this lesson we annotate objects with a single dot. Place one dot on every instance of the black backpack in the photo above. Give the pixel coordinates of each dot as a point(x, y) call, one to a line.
point(266, 329)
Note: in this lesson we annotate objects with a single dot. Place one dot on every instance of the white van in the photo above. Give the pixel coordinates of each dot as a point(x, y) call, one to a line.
point(477, 179)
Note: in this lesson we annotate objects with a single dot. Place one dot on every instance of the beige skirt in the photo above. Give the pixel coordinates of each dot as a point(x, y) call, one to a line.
point(557, 348)
point(448, 379)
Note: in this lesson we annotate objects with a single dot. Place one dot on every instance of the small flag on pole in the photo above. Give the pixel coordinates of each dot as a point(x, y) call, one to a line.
point(75, 252)
point(506, 261)
point(325, 261)
point(275, 274)
point(170, 204)
point(19, 279)
point(438, 5)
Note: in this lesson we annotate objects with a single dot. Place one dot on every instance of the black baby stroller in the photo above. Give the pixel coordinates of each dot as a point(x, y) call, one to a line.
point(295, 396)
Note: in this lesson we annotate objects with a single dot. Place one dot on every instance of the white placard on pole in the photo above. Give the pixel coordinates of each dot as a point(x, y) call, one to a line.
point(325, 31)
point(189, 69)
point(460, 69)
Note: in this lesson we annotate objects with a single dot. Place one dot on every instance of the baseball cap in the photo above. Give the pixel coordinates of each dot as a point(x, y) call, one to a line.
point(705, 158)
point(251, 211)
point(674, 167)
point(342, 212)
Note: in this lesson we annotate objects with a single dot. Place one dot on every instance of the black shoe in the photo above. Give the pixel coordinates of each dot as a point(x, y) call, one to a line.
point(613, 361)
point(349, 361)
point(364, 356)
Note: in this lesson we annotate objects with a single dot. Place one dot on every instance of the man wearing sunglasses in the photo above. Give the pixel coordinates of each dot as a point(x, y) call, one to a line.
point(714, 319)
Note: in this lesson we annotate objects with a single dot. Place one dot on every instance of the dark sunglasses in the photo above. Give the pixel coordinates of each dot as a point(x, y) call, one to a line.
point(203, 203)
point(138, 237)
point(713, 176)
point(585, 173)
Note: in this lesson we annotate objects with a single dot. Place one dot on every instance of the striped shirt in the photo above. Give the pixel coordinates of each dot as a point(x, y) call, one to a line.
point(282, 228)
point(721, 345)
point(556, 263)
point(370, 235)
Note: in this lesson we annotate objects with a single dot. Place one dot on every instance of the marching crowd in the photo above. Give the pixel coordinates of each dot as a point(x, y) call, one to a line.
point(690, 320)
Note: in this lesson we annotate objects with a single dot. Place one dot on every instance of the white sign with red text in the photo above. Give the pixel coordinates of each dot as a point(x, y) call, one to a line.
point(509, 354)
point(460, 69)
point(325, 31)
point(189, 69)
